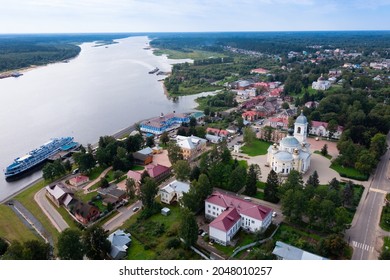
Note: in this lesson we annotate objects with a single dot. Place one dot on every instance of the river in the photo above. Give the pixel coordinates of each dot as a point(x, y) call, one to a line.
point(100, 92)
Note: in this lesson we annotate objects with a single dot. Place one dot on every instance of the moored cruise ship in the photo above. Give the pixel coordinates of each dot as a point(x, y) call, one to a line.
point(39, 155)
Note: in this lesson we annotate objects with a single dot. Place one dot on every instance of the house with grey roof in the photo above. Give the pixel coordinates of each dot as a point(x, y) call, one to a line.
point(173, 191)
point(120, 241)
point(59, 194)
point(284, 251)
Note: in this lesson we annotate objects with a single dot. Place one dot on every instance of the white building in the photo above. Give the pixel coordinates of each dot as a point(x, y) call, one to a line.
point(191, 146)
point(293, 153)
point(173, 191)
point(321, 129)
point(321, 84)
point(230, 213)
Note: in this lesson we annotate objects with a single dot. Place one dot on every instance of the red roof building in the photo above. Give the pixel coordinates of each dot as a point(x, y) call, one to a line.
point(230, 213)
point(78, 180)
point(259, 71)
point(218, 132)
point(158, 171)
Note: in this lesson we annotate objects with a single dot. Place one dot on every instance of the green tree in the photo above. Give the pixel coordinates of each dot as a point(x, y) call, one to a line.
point(341, 219)
point(67, 165)
point(164, 138)
point(313, 180)
point(249, 136)
point(285, 105)
point(366, 162)
point(293, 181)
point(195, 172)
point(150, 141)
point(237, 179)
point(69, 245)
point(251, 180)
point(130, 187)
point(148, 192)
point(191, 199)
point(378, 145)
point(188, 228)
point(326, 212)
point(332, 127)
point(333, 246)
point(240, 123)
point(192, 122)
point(174, 152)
point(324, 150)
point(182, 170)
point(348, 194)
point(271, 187)
point(36, 250)
point(267, 133)
point(104, 183)
point(334, 184)
point(95, 243)
point(85, 162)
point(204, 187)
point(14, 251)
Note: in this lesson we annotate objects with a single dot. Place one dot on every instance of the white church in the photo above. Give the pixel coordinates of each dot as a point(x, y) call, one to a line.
point(293, 153)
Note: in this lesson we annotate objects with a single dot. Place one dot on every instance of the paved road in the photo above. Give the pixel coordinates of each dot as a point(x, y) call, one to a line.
point(365, 235)
point(50, 211)
point(124, 214)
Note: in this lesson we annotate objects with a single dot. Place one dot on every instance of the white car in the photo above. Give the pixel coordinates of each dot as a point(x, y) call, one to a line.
point(274, 214)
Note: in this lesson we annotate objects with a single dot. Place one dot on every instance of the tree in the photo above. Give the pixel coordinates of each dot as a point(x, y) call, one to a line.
point(130, 187)
point(95, 243)
point(332, 127)
point(67, 165)
point(249, 136)
point(164, 138)
point(366, 162)
point(85, 162)
point(192, 122)
point(251, 180)
point(324, 150)
point(237, 179)
point(188, 228)
point(313, 180)
point(333, 246)
point(348, 194)
point(378, 145)
point(195, 172)
point(293, 181)
point(385, 254)
point(182, 170)
point(326, 212)
point(341, 219)
point(104, 183)
point(204, 187)
point(267, 133)
point(174, 153)
point(334, 184)
point(271, 187)
point(150, 141)
point(240, 123)
point(3, 246)
point(36, 250)
point(148, 192)
point(14, 251)
point(69, 245)
point(285, 105)
point(191, 199)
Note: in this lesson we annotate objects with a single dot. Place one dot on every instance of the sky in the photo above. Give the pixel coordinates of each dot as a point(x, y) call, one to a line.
point(80, 16)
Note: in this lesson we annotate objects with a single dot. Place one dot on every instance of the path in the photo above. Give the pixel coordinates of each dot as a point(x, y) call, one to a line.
point(124, 214)
point(50, 211)
point(90, 184)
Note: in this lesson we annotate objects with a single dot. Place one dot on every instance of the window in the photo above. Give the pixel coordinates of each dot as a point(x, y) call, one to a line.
point(214, 213)
point(208, 211)
point(253, 221)
point(299, 130)
point(214, 207)
point(209, 206)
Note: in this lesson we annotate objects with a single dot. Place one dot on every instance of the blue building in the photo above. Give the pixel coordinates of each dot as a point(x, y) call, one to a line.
point(164, 123)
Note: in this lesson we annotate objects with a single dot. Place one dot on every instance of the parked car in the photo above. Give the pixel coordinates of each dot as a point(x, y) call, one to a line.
point(135, 209)
point(274, 214)
point(200, 231)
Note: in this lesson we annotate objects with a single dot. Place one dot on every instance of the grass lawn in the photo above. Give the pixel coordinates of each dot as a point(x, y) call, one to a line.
point(327, 156)
point(27, 199)
point(196, 89)
point(137, 167)
point(260, 185)
point(243, 163)
point(95, 172)
point(137, 251)
point(191, 54)
point(385, 218)
point(349, 172)
point(202, 101)
point(258, 148)
point(85, 197)
point(12, 228)
point(259, 194)
point(243, 239)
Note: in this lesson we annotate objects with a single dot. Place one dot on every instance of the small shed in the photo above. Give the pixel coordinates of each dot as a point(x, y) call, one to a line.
point(166, 211)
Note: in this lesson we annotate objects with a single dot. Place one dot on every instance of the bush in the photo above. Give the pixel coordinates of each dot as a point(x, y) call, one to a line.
point(3, 246)
point(173, 243)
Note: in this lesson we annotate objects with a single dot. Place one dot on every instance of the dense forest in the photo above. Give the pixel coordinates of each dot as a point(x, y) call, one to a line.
point(19, 51)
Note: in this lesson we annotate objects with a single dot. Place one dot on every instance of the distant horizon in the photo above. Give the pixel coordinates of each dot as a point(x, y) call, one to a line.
point(194, 32)
point(171, 16)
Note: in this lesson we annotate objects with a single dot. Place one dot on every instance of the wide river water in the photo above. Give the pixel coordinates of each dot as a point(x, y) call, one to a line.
point(100, 92)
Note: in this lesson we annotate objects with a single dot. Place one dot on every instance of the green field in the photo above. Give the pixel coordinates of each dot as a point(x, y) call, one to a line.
point(189, 90)
point(202, 105)
point(349, 172)
point(12, 228)
point(27, 199)
point(258, 148)
point(191, 54)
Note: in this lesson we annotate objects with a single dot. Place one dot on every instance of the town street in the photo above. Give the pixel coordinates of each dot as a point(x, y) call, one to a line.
point(51, 212)
point(365, 235)
point(124, 214)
